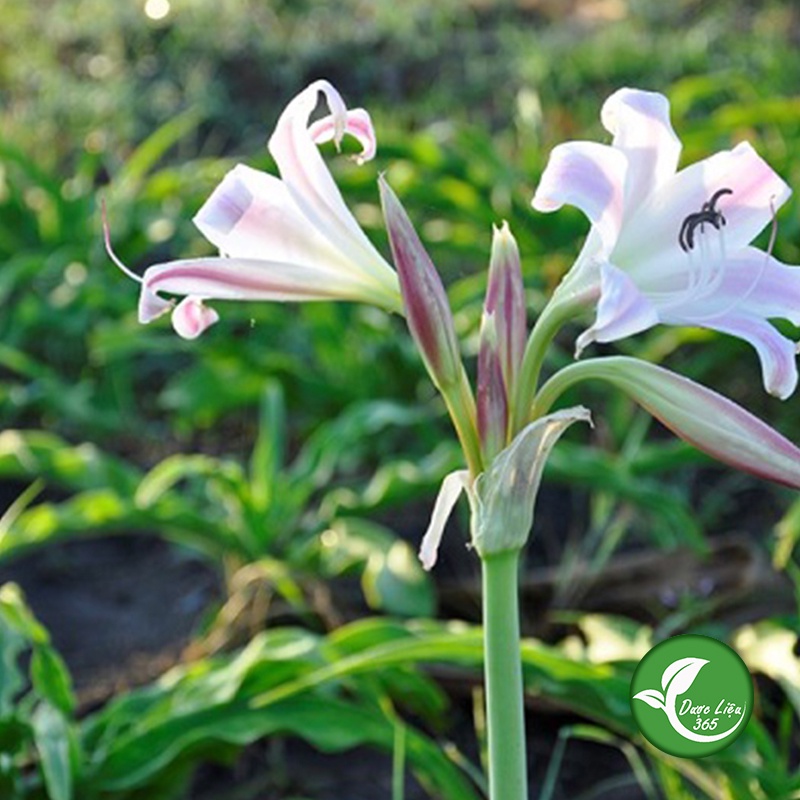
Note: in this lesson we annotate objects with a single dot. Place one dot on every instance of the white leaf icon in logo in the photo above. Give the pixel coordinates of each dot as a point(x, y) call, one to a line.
point(652, 697)
point(680, 675)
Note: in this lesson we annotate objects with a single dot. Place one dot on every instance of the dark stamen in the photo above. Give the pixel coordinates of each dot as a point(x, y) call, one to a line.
point(708, 213)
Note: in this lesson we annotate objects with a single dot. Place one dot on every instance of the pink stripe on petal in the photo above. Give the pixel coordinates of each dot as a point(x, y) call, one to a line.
point(191, 317)
point(591, 177)
point(425, 301)
point(248, 279)
point(491, 395)
point(505, 299)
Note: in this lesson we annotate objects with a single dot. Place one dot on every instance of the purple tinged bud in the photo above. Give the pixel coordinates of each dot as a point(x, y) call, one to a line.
point(505, 300)
point(492, 397)
point(427, 309)
point(705, 419)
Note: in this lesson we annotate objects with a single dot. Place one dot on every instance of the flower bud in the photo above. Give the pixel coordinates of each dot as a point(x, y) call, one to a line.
point(505, 300)
point(492, 398)
point(700, 416)
point(425, 301)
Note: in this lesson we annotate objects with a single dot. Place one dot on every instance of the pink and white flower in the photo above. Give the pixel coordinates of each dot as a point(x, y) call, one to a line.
point(282, 239)
point(674, 247)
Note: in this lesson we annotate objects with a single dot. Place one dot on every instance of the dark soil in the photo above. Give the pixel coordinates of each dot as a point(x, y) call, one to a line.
point(119, 610)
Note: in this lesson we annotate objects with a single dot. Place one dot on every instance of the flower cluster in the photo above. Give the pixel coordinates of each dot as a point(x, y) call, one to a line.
point(665, 246)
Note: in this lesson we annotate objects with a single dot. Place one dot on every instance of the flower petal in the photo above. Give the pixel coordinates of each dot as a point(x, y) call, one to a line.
point(310, 183)
point(591, 177)
point(756, 192)
point(191, 317)
point(252, 215)
point(621, 311)
point(491, 394)
point(151, 306)
point(504, 495)
point(243, 279)
point(755, 283)
point(778, 354)
point(642, 130)
point(452, 486)
point(357, 123)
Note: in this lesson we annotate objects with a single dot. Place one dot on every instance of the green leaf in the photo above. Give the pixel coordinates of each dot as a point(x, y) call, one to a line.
point(43, 455)
point(51, 679)
point(52, 738)
point(167, 473)
point(268, 455)
point(392, 578)
point(152, 149)
point(16, 614)
point(394, 582)
point(12, 681)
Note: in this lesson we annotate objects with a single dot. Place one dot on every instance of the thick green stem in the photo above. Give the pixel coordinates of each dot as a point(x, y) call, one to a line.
point(505, 709)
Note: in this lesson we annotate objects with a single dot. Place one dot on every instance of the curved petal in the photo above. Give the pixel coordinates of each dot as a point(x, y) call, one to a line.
point(252, 215)
point(755, 192)
point(357, 123)
point(778, 354)
point(754, 283)
point(191, 317)
point(151, 306)
point(642, 130)
point(310, 183)
point(591, 177)
point(246, 279)
point(621, 311)
point(452, 486)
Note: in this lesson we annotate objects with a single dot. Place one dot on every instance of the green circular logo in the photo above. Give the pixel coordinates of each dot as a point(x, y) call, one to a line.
point(691, 696)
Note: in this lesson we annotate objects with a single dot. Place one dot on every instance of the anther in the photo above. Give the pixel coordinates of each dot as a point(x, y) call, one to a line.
point(708, 214)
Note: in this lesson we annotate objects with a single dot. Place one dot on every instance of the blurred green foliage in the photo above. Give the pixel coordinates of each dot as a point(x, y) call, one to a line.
point(147, 104)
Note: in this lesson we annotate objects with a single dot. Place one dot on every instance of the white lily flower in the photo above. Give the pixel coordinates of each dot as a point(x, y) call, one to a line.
point(283, 239)
point(670, 246)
